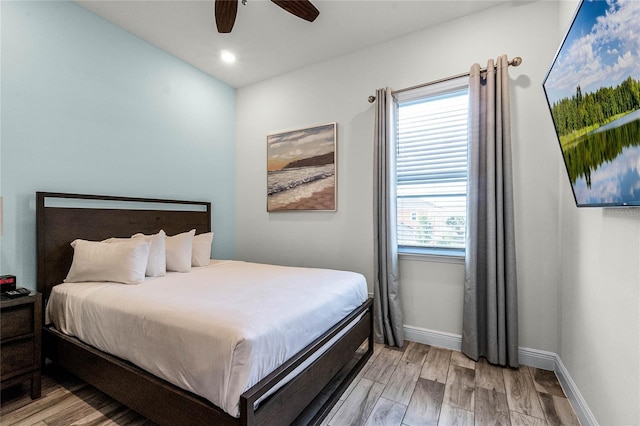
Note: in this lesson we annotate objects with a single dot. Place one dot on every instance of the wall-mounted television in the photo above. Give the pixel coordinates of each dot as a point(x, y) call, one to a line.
point(593, 92)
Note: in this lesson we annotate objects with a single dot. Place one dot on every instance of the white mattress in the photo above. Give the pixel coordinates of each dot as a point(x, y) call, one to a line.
point(215, 331)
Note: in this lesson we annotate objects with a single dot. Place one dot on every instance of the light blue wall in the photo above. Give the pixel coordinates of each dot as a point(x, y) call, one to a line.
point(89, 108)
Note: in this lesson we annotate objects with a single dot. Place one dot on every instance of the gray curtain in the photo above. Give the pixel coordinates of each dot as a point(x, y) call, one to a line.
point(490, 322)
point(387, 311)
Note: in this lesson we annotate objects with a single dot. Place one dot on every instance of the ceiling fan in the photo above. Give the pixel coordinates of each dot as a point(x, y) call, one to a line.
point(226, 10)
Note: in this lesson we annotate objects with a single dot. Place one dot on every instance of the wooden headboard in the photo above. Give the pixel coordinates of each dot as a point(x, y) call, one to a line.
point(62, 218)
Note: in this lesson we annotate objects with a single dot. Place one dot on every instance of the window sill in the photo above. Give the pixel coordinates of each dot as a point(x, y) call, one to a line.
point(432, 257)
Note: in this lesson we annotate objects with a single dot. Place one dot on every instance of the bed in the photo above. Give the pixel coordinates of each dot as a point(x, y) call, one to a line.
point(299, 386)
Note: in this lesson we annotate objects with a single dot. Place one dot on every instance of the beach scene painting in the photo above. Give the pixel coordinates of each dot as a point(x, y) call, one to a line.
point(301, 169)
point(593, 91)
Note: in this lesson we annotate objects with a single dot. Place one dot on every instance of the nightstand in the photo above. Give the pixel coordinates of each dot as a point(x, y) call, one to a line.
point(20, 341)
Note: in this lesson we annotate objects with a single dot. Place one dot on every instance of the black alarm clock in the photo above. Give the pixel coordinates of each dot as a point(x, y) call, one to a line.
point(7, 282)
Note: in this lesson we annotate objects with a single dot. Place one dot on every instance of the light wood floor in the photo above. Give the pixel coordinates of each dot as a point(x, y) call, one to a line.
point(416, 385)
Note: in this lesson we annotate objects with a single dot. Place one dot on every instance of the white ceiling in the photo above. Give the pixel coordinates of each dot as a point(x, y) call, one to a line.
point(267, 40)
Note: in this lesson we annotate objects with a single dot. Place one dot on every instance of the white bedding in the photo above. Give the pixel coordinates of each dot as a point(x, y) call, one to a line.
point(214, 331)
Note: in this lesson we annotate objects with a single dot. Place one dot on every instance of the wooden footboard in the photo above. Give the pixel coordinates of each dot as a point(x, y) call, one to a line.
point(292, 399)
point(306, 399)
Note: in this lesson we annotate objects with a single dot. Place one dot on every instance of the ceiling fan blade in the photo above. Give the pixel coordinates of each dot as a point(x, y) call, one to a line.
point(226, 11)
point(301, 8)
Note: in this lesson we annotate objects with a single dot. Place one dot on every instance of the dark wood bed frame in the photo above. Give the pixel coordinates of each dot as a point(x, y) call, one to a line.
point(306, 399)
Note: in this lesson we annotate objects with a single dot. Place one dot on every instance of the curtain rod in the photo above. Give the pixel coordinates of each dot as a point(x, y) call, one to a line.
point(514, 62)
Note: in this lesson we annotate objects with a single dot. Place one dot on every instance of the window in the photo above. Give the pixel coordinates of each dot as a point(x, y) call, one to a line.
point(432, 134)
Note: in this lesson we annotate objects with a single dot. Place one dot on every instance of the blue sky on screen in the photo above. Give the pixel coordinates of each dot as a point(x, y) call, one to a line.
point(602, 48)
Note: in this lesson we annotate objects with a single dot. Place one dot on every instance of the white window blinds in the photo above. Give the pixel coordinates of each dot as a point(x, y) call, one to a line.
point(432, 133)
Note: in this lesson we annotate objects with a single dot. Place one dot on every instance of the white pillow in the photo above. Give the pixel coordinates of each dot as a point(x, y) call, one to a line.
point(178, 251)
point(123, 262)
point(201, 254)
point(157, 264)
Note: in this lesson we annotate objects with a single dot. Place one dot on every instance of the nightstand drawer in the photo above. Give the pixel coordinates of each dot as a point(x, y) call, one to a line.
point(17, 355)
point(21, 341)
point(16, 321)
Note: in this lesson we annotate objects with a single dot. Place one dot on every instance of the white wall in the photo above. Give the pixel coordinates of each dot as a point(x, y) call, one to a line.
point(337, 90)
point(600, 300)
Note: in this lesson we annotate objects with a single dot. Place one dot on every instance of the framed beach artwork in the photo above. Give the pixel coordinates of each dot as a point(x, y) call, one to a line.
point(593, 92)
point(301, 169)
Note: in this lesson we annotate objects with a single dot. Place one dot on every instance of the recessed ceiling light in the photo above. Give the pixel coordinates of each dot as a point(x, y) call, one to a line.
point(227, 56)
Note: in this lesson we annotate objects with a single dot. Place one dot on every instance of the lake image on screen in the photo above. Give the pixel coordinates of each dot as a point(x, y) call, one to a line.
point(603, 164)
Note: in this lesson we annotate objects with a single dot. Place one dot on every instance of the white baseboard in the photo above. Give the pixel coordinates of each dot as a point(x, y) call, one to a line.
point(526, 356)
point(433, 338)
point(537, 358)
point(578, 403)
